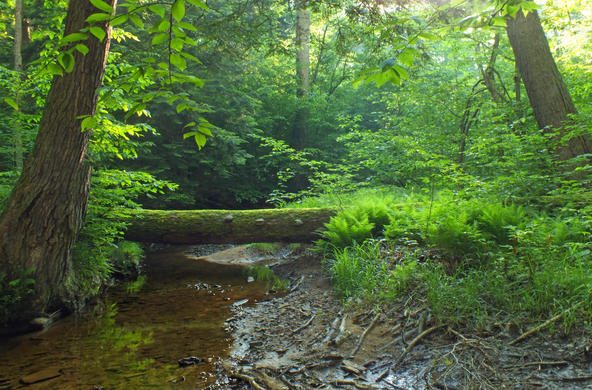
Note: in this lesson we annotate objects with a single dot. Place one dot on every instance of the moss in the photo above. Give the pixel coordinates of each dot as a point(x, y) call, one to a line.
point(223, 226)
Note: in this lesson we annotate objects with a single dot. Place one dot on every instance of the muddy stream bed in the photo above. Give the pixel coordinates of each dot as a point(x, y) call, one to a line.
point(198, 306)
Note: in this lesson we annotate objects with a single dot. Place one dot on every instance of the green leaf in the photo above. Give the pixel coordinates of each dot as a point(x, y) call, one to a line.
point(178, 10)
point(498, 21)
point(119, 20)
point(200, 139)
point(98, 32)
point(88, 123)
point(189, 134)
point(177, 44)
point(205, 130)
point(157, 9)
point(407, 56)
point(512, 10)
point(66, 59)
point(82, 48)
point(54, 68)
point(74, 37)
point(100, 4)
point(160, 38)
point(428, 36)
point(136, 20)
point(96, 18)
point(163, 25)
point(11, 103)
point(187, 26)
point(401, 72)
point(190, 57)
point(178, 61)
point(198, 3)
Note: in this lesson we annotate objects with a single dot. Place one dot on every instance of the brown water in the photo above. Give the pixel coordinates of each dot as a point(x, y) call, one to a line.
point(134, 339)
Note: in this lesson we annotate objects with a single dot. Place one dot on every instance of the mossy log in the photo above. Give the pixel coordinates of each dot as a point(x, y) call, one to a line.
point(227, 226)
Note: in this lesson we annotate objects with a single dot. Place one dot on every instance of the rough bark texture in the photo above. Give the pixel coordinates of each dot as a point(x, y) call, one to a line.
point(18, 67)
point(547, 93)
point(45, 212)
point(227, 226)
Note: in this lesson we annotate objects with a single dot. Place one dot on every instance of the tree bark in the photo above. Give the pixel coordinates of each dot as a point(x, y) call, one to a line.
point(47, 207)
point(302, 72)
point(18, 67)
point(227, 226)
point(547, 93)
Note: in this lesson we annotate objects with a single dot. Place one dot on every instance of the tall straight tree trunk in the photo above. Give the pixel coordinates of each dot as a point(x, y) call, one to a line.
point(302, 72)
point(547, 93)
point(47, 207)
point(18, 67)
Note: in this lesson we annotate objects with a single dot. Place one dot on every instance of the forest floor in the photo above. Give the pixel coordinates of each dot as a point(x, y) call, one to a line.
point(305, 339)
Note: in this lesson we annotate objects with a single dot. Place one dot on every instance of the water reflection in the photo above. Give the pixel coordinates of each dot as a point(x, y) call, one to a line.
point(135, 338)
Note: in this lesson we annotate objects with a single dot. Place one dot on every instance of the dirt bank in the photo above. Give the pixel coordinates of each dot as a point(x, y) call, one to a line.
point(306, 340)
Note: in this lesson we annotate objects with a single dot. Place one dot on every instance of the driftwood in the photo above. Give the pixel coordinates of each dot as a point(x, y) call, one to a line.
point(227, 226)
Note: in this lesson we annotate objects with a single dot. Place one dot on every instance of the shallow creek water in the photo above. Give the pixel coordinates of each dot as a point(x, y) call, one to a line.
point(133, 340)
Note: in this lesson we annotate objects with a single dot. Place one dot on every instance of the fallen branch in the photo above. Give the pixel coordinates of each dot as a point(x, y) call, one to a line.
point(415, 341)
point(305, 325)
point(363, 335)
point(543, 325)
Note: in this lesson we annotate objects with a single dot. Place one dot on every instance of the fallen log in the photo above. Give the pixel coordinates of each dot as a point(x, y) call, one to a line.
point(227, 226)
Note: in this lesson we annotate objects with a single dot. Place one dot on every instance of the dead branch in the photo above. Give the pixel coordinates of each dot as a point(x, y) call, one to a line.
point(415, 341)
point(363, 335)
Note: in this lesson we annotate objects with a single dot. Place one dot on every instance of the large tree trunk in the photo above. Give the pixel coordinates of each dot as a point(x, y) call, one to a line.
point(547, 93)
point(47, 207)
point(227, 226)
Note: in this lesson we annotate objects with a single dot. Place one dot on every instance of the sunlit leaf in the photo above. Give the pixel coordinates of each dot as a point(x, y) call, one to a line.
point(198, 3)
point(160, 38)
point(178, 61)
point(82, 48)
point(74, 37)
point(88, 123)
point(136, 21)
point(120, 20)
point(157, 9)
point(178, 10)
point(66, 59)
point(100, 4)
point(95, 18)
point(11, 103)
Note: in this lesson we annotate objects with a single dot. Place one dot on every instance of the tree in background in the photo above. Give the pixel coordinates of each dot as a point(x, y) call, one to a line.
point(548, 95)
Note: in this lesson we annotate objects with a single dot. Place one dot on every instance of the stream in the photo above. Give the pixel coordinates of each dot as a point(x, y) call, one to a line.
point(135, 337)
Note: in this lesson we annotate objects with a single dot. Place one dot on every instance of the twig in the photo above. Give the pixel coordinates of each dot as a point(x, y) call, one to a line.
point(298, 283)
point(305, 325)
point(543, 325)
point(363, 335)
point(352, 382)
point(543, 363)
point(415, 341)
point(249, 379)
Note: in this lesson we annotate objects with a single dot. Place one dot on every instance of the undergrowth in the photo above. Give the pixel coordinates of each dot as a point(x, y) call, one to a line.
point(478, 262)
